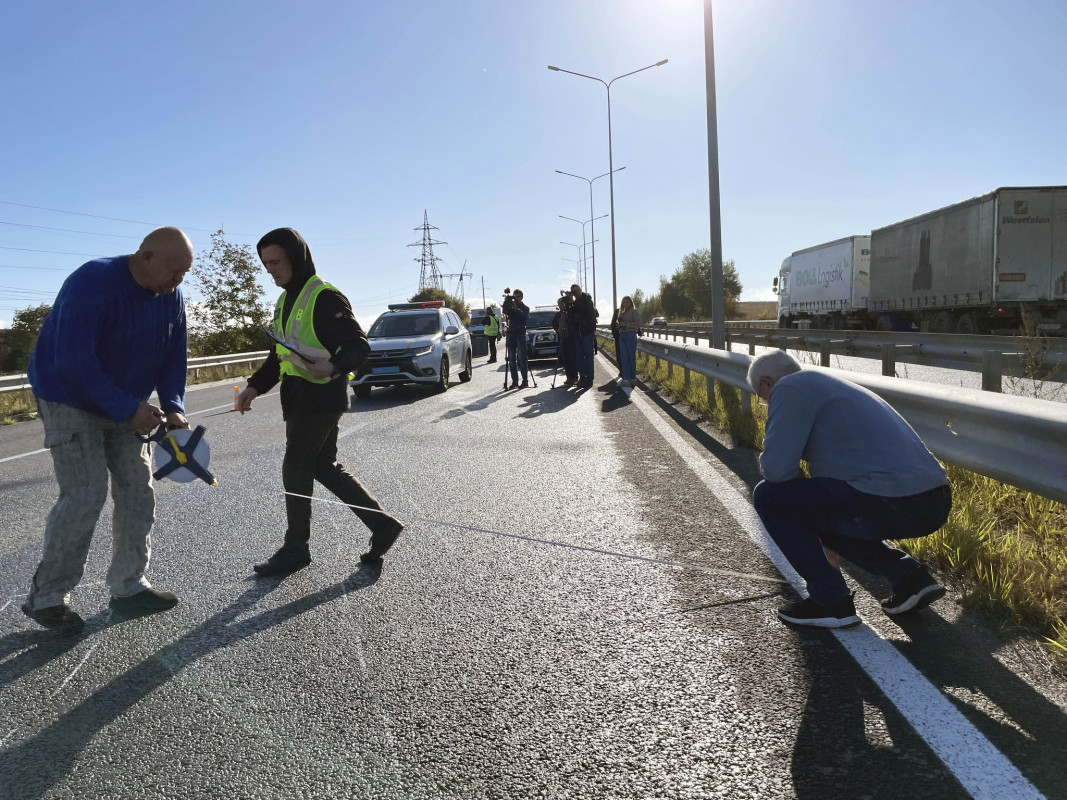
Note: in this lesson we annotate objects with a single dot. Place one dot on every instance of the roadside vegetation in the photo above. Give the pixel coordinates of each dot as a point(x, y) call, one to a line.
point(1006, 546)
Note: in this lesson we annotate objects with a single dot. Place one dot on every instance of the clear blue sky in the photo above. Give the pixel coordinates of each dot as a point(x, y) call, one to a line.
point(346, 120)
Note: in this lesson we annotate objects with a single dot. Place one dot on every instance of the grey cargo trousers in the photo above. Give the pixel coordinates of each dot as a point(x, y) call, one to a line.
point(85, 449)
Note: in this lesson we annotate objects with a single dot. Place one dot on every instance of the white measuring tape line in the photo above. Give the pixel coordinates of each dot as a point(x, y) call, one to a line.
point(600, 551)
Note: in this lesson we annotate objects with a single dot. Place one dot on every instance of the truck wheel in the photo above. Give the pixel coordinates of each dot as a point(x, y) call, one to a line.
point(361, 391)
point(966, 324)
point(442, 383)
point(466, 374)
point(942, 323)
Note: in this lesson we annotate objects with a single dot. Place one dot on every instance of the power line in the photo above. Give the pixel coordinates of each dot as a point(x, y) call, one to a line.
point(99, 216)
point(55, 252)
point(68, 230)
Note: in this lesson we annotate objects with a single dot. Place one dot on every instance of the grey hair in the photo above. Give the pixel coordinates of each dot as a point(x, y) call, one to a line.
point(776, 364)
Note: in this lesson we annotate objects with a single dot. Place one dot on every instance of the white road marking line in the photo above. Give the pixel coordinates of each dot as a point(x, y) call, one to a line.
point(190, 414)
point(981, 768)
point(75, 672)
point(24, 455)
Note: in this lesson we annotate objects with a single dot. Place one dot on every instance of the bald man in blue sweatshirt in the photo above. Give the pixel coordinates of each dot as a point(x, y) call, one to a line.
point(872, 479)
point(115, 334)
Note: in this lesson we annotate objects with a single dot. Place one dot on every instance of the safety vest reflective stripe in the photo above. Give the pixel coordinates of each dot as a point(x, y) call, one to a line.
point(299, 335)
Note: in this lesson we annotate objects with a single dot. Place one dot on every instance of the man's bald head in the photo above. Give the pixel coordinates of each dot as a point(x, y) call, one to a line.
point(162, 260)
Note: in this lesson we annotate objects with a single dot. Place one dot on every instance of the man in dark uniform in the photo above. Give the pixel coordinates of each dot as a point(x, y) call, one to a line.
point(316, 319)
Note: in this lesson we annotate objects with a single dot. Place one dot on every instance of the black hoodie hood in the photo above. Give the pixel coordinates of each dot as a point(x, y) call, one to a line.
point(299, 256)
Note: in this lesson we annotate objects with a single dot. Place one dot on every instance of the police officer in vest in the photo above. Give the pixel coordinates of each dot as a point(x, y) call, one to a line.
point(316, 319)
point(492, 332)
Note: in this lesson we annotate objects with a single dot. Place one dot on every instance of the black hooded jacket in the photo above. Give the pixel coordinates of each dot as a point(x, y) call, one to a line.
point(335, 326)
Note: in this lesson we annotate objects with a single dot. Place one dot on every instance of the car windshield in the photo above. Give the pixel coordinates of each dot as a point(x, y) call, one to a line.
point(540, 319)
point(392, 324)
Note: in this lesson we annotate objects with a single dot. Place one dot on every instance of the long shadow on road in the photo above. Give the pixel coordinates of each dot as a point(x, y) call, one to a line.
point(32, 767)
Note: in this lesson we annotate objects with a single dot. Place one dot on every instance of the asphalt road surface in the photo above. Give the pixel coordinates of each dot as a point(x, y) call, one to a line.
point(581, 606)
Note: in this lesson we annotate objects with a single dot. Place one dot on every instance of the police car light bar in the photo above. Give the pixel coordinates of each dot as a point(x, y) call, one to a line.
point(424, 304)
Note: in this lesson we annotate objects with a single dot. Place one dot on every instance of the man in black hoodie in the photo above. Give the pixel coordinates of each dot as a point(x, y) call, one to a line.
point(314, 395)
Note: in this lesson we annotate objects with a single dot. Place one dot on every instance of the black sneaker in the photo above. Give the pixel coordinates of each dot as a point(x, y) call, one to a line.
point(56, 617)
point(147, 601)
point(290, 558)
point(380, 542)
point(914, 593)
point(841, 614)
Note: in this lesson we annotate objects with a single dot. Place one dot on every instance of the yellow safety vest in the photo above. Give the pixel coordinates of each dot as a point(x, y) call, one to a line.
point(299, 331)
point(492, 325)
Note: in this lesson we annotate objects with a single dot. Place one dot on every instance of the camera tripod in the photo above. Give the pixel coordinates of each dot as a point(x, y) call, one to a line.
point(525, 365)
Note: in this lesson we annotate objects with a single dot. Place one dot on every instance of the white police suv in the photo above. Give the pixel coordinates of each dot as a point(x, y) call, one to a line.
point(415, 343)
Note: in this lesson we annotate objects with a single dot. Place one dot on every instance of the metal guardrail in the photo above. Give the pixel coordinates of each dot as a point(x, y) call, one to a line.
point(995, 357)
point(15, 383)
point(1017, 440)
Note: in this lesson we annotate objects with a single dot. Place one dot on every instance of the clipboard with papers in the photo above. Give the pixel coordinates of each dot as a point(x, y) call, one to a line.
point(286, 344)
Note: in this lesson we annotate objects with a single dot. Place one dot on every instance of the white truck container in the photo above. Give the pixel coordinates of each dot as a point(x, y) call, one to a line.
point(825, 286)
point(994, 263)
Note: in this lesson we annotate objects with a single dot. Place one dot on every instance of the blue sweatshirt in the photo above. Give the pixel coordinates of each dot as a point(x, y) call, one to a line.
point(109, 342)
point(845, 432)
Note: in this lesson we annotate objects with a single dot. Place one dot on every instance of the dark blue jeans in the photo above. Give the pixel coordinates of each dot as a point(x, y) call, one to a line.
point(517, 361)
point(805, 514)
point(585, 358)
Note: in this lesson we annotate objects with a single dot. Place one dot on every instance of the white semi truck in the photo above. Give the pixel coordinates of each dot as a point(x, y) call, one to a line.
point(826, 286)
point(996, 263)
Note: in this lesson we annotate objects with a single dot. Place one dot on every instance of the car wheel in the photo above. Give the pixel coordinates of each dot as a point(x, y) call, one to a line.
point(442, 382)
point(465, 376)
point(361, 391)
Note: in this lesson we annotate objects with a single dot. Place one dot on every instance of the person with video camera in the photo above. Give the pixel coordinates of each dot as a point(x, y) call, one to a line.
point(585, 314)
point(566, 328)
point(517, 313)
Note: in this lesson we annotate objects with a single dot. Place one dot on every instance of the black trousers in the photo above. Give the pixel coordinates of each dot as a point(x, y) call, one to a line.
point(311, 455)
point(492, 347)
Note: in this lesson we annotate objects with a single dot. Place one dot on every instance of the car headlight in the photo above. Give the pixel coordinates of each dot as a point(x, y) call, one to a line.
point(422, 351)
point(545, 337)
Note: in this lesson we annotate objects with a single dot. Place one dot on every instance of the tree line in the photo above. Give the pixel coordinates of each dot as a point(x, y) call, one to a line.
point(686, 295)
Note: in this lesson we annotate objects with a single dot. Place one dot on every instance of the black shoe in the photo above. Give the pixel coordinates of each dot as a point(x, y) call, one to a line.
point(380, 542)
point(57, 617)
point(841, 614)
point(147, 601)
point(524, 385)
point(914, 593)
point(289, 559)
point(585, 384)
point(491, 361)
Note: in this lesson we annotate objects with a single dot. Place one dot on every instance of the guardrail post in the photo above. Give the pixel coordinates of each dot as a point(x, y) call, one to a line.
point(992, 371)
point(711, 391)
point(752, 348)
point(746, 402)
point(670, 369)
point(824, 353)
point(889, 360)
point(686, 373)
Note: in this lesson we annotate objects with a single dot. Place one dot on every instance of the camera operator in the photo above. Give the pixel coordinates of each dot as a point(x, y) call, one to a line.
point(585, 313)
point(566, 325)
point(517, 313)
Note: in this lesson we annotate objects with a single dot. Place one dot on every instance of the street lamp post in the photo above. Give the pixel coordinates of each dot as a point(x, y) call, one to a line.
point(579, 254)
point(592, 231)
point(592, 241)
point(611, 169)
point(576, 263)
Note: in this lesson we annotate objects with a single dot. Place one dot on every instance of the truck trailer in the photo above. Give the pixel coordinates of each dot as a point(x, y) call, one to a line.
point(996, 263)
point(826, 286)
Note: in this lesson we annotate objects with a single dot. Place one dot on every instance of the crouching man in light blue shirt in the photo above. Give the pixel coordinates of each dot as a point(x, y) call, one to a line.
point(872, 479)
